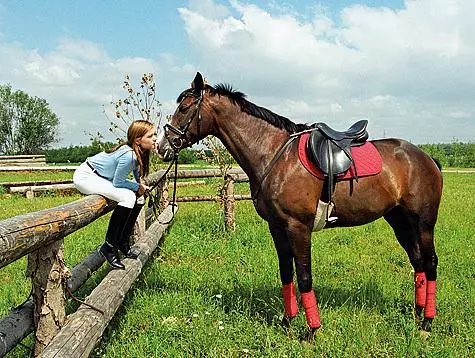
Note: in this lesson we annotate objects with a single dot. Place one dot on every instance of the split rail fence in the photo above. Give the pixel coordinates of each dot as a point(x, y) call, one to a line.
point(40, 235)
point(22, 160)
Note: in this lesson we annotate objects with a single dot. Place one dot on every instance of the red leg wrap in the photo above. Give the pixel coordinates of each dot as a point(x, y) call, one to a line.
point(420, 284)
point(309, 303)
point(429, 310)
point(291, 307)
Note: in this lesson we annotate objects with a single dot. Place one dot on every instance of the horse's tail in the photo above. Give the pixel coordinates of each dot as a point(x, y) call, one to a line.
point(437, 162)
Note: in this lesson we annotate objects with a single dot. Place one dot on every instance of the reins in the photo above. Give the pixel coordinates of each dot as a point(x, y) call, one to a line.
point(153, 199)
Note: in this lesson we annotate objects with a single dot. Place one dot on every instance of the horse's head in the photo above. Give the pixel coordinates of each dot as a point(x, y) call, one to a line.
point(188, 125)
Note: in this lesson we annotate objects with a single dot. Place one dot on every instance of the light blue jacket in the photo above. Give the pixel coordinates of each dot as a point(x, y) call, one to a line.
point(116, 167)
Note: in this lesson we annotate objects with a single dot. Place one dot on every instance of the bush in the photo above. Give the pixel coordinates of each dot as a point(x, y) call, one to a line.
point(455, 154)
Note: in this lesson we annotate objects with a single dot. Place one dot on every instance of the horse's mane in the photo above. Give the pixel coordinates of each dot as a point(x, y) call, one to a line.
point(239, 98)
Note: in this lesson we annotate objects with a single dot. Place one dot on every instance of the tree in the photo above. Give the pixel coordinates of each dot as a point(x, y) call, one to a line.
point(27, 124)
point(140, 103)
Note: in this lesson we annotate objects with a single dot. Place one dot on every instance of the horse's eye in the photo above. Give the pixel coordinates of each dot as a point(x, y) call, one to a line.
point(183, 109)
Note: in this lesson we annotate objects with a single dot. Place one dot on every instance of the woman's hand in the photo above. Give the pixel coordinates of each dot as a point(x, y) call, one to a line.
point(142, 189)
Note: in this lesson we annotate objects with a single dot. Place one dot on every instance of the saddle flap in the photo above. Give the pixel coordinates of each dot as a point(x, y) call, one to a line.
point(331, 158)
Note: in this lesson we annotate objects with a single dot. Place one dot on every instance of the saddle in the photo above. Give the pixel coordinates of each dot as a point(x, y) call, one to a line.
point(331, 151)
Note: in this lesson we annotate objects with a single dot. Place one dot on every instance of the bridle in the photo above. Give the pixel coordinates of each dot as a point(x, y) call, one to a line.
point(180, 142)
point(177, 143)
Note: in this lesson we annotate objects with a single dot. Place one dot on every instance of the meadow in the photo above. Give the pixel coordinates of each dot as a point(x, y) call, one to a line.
point(208, 292)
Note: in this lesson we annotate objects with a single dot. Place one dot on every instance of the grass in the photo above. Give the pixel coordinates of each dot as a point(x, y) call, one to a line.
point(6, 177)
point(217, 294)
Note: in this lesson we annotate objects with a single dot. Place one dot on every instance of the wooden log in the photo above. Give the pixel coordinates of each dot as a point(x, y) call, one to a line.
point(47, 272)
point(229, 204)
point(85, 327)
point(36, 188)
point(26, 233)
point(34, 183)
point(184, 183)
point(22, 161)
point(22, 156)
point(38, 168)
point(182, 199)
point(19, 323)
point(198, 173)
point(15, 327)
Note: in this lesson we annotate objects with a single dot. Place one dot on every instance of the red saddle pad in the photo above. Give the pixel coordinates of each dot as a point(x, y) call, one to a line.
point(367, 158)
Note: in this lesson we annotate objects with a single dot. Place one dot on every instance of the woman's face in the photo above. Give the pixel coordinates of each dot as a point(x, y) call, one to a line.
point(147, 142)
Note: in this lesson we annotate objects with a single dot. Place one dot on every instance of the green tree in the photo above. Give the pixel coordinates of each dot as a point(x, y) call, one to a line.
point(27, 124)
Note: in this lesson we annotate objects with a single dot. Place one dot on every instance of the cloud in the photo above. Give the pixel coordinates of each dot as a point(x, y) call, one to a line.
point(77, 78)
point(395, 67)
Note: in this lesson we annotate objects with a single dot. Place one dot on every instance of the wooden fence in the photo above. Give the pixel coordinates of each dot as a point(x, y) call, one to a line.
point(40, 235)
point(22, 160)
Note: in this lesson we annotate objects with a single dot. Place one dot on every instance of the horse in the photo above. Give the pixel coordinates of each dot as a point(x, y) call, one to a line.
point(406, 192)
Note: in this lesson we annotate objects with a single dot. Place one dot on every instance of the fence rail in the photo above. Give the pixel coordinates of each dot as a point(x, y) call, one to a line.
point(22, 160)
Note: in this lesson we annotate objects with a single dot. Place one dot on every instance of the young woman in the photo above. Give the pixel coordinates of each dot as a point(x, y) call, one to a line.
point(106, 174)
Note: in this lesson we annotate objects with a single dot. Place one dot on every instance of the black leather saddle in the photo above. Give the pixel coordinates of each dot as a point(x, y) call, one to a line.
point(330, 149)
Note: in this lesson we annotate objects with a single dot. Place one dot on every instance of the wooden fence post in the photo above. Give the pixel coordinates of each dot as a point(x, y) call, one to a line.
point(229, 203)
point(47, 272)
point(139, 227)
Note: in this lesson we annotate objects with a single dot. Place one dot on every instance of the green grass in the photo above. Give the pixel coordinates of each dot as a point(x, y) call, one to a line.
point(208, 292)
point(6, 177)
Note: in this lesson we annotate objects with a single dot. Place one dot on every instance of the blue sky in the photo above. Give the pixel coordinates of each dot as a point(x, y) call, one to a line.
point(406, 66)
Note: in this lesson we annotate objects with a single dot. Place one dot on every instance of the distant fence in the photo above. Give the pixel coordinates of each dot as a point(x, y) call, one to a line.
point(22, 160)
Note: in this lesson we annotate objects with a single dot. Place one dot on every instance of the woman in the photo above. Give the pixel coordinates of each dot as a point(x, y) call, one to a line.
point(106, 174)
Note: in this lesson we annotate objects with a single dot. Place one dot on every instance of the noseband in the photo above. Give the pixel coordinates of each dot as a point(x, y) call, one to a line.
point(180, 142)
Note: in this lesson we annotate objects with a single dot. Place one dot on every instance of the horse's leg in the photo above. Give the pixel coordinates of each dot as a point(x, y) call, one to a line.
point(417, 238)
point(286, 268)
point(299, 236)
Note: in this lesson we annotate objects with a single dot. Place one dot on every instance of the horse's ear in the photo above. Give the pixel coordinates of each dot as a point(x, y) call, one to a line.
point(198, 83)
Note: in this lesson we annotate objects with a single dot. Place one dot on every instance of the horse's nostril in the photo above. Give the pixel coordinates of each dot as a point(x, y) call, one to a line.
point(177, 142)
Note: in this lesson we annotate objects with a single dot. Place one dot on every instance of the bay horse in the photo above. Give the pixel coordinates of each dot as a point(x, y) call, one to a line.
point(406, 192)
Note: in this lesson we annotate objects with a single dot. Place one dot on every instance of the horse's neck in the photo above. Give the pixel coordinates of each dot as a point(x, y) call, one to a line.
point(252, 142)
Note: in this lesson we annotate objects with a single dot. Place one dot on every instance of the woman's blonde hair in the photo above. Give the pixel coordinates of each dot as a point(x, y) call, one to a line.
point(136, 130)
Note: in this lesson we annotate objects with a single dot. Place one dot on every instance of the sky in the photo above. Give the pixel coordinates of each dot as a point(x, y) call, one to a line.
point(407, 66)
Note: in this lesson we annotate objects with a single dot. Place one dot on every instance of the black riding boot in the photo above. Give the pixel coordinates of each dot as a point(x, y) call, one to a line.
point(113, 237)
point(124, 244)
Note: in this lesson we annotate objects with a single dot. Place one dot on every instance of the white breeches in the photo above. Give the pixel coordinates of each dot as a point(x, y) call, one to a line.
point(89, 183)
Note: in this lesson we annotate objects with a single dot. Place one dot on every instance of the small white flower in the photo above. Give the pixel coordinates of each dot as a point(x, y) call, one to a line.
point(219, 296)
point(207, 313)
point(221, 328)
point(220, 322)
point(195, 315)
point(245, 350)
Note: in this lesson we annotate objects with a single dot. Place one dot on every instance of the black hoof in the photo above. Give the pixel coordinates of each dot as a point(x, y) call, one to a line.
point(426, 324)
point(286, 320)
point(310, 334)
point(112, 257)
point(418, 314)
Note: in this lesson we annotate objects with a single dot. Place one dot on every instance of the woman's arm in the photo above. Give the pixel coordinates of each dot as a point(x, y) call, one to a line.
point(124, 166)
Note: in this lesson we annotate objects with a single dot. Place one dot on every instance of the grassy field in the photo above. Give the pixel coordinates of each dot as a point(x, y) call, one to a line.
point(217, 294)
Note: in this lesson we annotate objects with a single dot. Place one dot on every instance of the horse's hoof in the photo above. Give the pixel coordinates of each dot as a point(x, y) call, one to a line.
point(286, 320)
point(426, 324)
point(309, 335)
point(418, 315)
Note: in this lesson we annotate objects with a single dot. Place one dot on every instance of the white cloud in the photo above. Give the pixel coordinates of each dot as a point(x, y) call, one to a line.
point(77, 78)
point(394, 67)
